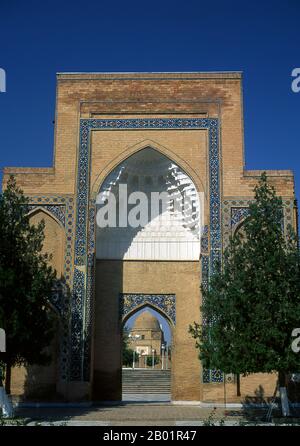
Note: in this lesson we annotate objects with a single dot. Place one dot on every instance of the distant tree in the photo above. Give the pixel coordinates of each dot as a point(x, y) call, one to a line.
point(252, 303)
point(127, 351)
point(26, 282)
point(150, 360)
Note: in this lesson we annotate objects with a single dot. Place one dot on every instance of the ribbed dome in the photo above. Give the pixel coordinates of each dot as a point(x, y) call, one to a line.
point(146, 321)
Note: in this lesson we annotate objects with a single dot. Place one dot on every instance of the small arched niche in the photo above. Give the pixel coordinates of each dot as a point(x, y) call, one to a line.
point(54, 238)
point(148, 208)
point(146, 356)
point(239, 230)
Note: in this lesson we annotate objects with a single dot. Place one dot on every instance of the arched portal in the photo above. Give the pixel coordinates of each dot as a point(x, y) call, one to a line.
point(146, 355)
point(54, 241)
point(149, 219)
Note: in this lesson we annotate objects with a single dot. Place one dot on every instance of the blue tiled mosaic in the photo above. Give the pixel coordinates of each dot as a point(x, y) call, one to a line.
point(166, 303)
point(238, 215)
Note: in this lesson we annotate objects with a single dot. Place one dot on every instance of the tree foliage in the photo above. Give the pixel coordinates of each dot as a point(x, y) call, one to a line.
point(26, 282)
point(127, 352)
point(152, 360)
point(252, 303)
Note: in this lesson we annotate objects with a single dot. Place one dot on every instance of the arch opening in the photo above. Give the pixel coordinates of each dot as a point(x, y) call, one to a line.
point(146, 356)
point(54, 241)
point(148, 208)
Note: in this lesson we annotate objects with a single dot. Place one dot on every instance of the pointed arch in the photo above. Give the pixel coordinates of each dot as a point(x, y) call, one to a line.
point(239, 227)
point(54, 242)
point(42, 209)
point(146, 305)
point(164, 304)
point(144, 144)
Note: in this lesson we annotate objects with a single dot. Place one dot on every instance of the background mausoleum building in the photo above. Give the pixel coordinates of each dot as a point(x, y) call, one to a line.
point(146, 335)
point(153, 132)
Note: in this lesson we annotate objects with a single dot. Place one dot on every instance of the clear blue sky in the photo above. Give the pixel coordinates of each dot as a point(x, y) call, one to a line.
point(260, 38)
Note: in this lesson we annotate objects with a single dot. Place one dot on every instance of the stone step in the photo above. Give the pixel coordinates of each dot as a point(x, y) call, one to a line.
point(146, 382)
point(145, 371)
point(145, 392)
point(158, 379)
point(142, 373)
point(133, 386)
point(146, 385)
point(150, 384)
point(129, 391)
point(145, 375)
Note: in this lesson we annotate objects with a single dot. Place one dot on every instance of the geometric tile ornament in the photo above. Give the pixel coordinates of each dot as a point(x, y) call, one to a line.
point(235, 210)
point(238, 214)
point(57, 211)
point(204, 240)
point(212, 376)
point(164, 302)
point(85, 216)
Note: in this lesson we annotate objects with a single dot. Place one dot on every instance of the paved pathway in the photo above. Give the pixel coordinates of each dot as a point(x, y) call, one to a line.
point(153, 397)
point(131, 414)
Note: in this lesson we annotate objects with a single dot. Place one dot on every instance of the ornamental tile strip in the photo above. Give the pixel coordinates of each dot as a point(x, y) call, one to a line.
point(204, 240)
point(77, 326)
point(166, 303)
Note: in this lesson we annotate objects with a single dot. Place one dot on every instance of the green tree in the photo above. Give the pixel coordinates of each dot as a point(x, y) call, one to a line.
point(252, 303)
point(150, 361)
point(26, 282)
point(127, 352)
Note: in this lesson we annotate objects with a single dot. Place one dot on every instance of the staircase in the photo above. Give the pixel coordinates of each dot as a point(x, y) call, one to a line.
point(146, 382)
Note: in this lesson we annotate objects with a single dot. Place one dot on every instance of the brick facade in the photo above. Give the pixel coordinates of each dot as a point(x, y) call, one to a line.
point(196, 120)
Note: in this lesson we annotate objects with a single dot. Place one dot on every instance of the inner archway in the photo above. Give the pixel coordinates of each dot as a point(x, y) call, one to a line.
point(146, 356)
point(147, 254)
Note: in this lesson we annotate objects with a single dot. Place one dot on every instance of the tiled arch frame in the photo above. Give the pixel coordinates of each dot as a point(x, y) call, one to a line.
point(236, 210)
point(147, 143)
point(84, 262)
point(164, 304)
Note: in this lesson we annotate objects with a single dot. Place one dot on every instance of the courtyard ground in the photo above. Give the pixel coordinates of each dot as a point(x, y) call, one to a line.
point(143, 414)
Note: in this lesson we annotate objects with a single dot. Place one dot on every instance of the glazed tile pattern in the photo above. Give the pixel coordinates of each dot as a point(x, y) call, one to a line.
point(166, 303)
point(204, 240)
point(58, 211)
point(238, 215)
point(236, 210)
